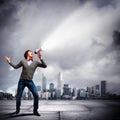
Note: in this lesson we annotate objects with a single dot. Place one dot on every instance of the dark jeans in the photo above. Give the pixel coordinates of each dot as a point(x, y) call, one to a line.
point(21, 85)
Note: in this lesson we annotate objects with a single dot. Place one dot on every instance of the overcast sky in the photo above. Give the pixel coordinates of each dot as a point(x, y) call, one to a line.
point(81, 39)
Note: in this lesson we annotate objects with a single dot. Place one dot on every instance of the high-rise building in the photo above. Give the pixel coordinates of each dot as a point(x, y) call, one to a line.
point(88, 92)
point(82, 94)
point(103, 88)
point(97, 90)
point(51, 86)
point(43, 83)
point(38, 88)
point(74, 92)
point(59, 86)
point(66, 90)
point(52, 91)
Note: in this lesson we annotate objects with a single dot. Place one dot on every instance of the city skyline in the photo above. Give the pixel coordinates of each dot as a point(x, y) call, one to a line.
point(45, 86)
point(98, 91)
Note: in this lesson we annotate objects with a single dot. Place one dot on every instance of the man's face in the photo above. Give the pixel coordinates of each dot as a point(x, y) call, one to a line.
point(30, 54)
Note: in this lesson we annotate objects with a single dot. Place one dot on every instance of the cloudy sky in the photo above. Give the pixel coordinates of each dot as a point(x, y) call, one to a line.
point(80, 38)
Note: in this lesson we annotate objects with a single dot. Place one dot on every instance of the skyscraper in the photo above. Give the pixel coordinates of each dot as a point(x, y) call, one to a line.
point(103, 88)
point(59, 85)
point(66, 90)
point(82, 94)
point(97, 90)
point(52, 91)
point(43, 83)
point(74, 92)
point(51, 86)
point(38, 88)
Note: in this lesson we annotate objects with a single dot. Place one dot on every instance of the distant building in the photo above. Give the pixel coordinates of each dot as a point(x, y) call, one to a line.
point(97, 90)
point(82, 94)
point(90, 92)
point(66, 92)
point(103, 88)
point(52, 91)
point(74, 93)
point(5, 96)
point(38, 88)
point(45, 95)
point(51, 86)
point(59, 86)
point(25, 95)
point(44, 80)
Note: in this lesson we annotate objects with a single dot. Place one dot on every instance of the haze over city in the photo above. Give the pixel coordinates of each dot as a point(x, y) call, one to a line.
point(80, 39)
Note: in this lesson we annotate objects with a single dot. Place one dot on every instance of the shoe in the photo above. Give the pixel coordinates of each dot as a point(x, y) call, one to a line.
point(17, 111)
point(36, 113)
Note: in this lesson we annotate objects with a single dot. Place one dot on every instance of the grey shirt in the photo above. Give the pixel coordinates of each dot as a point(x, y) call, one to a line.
point(28, 70)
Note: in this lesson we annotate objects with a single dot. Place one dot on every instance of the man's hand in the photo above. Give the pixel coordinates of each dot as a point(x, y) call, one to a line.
point(39, 55)
point(7, 59)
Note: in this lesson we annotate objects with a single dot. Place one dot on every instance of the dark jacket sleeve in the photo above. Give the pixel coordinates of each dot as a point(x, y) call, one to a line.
point(17, 65)
point(42, 64)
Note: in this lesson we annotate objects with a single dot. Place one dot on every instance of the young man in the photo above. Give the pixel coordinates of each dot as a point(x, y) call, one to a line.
point(28, 68)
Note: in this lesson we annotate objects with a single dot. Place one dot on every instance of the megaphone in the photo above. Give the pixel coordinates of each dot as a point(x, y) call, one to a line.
point(37, 51)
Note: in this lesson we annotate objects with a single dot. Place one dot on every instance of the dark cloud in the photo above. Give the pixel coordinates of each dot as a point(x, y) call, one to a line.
point(7, 10)
point(7, 21)
point(116, 38)
point(99, 3)
point(2, 2)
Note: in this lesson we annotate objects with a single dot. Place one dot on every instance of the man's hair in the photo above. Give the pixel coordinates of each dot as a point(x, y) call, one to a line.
point(26, 53)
